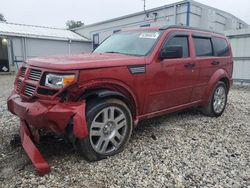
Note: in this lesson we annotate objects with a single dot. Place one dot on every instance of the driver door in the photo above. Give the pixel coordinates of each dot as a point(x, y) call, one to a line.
point(171, 81)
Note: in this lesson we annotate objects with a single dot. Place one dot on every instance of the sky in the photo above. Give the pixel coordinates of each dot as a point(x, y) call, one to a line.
point(54, 13)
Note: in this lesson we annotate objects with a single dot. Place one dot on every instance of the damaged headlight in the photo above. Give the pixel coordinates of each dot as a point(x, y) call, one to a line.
point(59, 81)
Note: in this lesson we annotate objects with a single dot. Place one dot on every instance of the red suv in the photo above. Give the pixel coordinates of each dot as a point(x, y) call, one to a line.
point(97, 99)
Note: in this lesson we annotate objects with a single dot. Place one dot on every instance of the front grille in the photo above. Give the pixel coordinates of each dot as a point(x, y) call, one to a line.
point(19, 85)
point(35, 74)
point(29, 90)
point(23, 70)
point(28, 83)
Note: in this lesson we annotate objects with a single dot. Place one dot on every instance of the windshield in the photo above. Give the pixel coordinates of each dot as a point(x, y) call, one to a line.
point(137, 43)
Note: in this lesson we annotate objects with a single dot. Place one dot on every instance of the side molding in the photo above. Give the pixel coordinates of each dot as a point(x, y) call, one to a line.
point(137, 69)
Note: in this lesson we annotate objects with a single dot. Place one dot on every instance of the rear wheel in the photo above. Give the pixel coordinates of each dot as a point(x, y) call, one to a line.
point(110, 127)
point(218, 101)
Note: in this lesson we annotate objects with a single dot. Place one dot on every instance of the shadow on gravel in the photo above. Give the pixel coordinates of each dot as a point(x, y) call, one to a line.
point(153, 127)
point(158, 121)
point(49, 145)
point(52, 145)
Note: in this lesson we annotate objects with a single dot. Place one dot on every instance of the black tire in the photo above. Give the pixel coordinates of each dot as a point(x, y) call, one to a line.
point(210, 110)
point(86, 146)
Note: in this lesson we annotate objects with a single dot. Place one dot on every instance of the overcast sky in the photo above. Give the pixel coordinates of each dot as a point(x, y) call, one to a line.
point(55, 13)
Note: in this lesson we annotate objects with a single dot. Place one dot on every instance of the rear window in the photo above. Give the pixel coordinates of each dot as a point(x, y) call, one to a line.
point(220, 46)
point(203, 47)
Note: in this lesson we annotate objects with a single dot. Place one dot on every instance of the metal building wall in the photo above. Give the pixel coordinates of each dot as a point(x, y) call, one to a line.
point(175, 14)
point(240, 42)
point(21, 48)
point(211, 18)
point(188, 13)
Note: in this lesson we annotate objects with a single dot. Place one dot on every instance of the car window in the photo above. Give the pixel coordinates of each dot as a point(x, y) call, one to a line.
point(135, 43)
point(179, 41)
point(220, 46)
point(203, 47)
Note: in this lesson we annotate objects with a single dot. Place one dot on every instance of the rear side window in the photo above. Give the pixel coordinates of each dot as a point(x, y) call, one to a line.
point(220, 46)
point(179, 41)
point(203, 47)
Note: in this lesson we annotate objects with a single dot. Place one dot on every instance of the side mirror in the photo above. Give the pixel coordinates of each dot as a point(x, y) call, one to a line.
point(171, 52)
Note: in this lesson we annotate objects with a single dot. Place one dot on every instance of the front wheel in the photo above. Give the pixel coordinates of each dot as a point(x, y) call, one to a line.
point(110, 126)
point(218, 101)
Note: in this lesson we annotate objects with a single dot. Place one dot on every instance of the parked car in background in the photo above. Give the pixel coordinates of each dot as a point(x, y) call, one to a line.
point(97, 99)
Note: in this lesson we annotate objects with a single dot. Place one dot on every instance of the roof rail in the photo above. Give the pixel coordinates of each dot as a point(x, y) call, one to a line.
point(187, 27)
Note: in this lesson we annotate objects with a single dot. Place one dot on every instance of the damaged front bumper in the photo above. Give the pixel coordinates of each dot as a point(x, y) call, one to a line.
point(41, 165)
point(52, 115)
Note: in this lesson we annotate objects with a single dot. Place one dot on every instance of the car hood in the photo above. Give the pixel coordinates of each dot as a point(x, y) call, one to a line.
point(85, 61)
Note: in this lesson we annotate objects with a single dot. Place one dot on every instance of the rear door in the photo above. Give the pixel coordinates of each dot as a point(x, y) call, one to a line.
point(171, 81)
point(212, 53)
point(222, 53)
point(208, 64)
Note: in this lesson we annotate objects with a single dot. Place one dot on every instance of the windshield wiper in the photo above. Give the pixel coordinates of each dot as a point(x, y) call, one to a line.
point(113, 52)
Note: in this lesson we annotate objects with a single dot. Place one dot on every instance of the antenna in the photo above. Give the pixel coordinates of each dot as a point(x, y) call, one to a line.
point(144, 6)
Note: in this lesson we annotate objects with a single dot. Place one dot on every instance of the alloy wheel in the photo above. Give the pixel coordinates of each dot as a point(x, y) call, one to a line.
point(108, 130)
point(219, 99)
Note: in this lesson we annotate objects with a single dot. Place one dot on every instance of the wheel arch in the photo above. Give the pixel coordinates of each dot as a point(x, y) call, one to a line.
point(226, 82)
point(219, 75)
point(108, 91)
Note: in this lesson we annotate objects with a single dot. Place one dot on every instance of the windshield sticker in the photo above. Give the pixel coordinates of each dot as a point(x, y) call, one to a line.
point(149, 35)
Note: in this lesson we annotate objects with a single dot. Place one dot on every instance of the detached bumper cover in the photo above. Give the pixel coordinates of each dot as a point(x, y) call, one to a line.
point(42, 167)
point(52, 115)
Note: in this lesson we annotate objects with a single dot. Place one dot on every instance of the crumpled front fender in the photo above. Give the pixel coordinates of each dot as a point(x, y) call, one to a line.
point(80, 129)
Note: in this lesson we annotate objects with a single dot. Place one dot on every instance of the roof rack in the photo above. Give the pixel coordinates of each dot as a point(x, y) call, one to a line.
point(187, 27)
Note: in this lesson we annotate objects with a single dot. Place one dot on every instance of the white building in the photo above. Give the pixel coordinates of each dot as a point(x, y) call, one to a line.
point(240, 41)
point(187, 13)
point(19, 42)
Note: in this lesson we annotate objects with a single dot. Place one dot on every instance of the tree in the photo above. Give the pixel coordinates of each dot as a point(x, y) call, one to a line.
point(73, 24)
point(2, 19)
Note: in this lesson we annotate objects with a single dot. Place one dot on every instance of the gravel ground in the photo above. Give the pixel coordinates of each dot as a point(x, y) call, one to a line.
point(184, 149)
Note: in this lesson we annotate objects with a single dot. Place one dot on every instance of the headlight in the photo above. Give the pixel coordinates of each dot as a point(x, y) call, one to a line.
point(58, 81)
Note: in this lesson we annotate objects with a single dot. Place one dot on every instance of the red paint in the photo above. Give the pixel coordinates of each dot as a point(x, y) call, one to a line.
point(80, 129)
point(166, 86)
point(170, 81)
point(34, 154)
point(85, 61)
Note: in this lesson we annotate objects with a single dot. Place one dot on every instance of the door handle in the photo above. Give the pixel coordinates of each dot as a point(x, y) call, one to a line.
point(215, 63)
point(189, 65)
